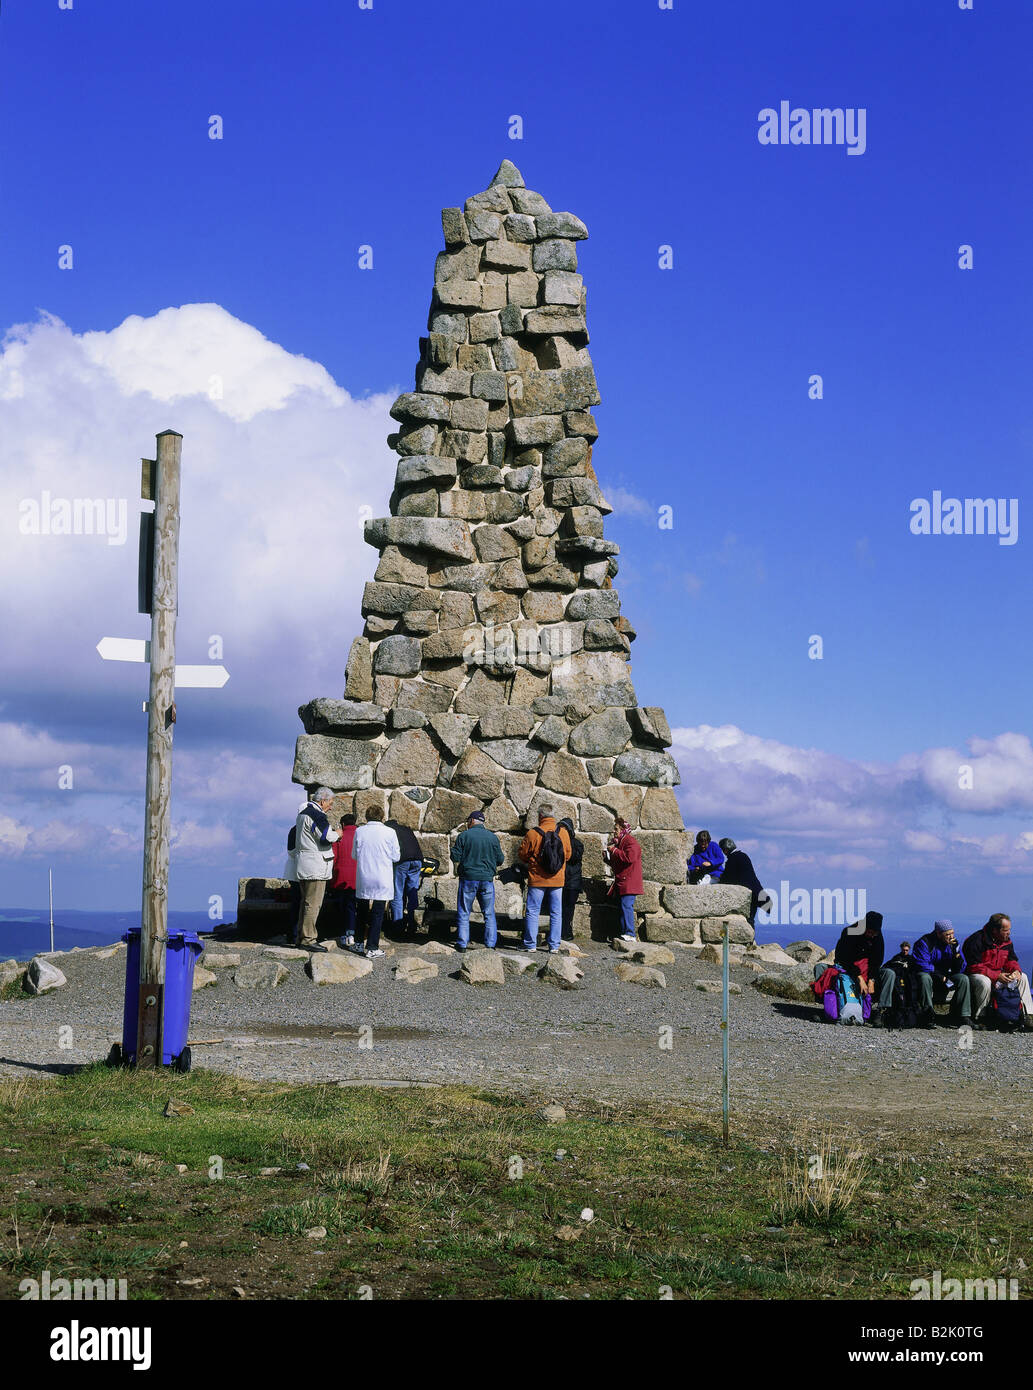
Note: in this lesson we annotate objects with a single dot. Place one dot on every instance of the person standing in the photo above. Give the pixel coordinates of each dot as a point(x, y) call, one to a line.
point(376, 851)
point(940, 963)
point(477, 855)
point(406, 877)
point(624, 856)
point(342, 881)
point(572, 884)
point(544, 851)
point(313, 859)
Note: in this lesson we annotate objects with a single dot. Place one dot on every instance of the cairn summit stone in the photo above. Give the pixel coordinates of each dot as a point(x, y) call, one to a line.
point(492, 669)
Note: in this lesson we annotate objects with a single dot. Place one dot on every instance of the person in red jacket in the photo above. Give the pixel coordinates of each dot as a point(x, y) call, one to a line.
point(342, 881)
point(990, 956)
point(624, 856)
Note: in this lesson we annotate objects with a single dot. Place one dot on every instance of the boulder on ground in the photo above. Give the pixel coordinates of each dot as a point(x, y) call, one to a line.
point(771, 953)
point(436, 948)
point(643, 952)
point(552, 1114)
point(796, 984)
point(515, 962)
point(482, 968)
point(42, 976)
point(561, 971)
point(631, 974)
point(336, 968)
point(806, 952)
point(411, 969)
point(259, 974)
point(277, 952)
point(223, 962)
point(715, 986)
point(10, 971)
point(203, 977)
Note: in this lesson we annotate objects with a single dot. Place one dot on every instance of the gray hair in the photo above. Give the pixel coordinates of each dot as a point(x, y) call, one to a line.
point(322, 794)
point(545, 809)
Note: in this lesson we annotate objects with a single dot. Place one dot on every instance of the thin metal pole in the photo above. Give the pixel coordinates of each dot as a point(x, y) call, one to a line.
point(50, 875)
point(724, 1034)
point(161, 717)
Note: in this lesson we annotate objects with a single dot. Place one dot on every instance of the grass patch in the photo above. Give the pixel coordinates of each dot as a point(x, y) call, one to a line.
point(458, 1193)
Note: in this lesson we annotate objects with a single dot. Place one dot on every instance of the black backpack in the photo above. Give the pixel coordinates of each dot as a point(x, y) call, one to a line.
point(903, 1012)
point(550, 858)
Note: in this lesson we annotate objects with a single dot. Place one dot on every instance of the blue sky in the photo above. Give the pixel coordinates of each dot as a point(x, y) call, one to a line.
point(345, 127)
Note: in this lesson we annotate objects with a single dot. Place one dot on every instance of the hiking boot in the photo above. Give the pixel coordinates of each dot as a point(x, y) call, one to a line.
point(927, 1019)
point(877, 1020)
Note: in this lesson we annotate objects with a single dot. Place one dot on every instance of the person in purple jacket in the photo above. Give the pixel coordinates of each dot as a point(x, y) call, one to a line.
point(941, 964)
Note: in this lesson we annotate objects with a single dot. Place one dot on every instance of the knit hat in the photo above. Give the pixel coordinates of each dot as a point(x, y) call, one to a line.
point(943, 924)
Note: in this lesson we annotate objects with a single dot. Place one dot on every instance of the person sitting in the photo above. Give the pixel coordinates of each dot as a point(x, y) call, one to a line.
point(940, 964)
point(707, 861)
point(738, 872)
point(990, 956)
point(902, 1011)
point(860, 951)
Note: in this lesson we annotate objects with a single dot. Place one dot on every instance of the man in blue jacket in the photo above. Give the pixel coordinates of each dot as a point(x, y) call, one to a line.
point(476, 854)
point(940, 964)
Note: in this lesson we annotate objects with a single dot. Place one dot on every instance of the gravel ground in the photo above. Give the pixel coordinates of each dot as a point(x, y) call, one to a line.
point(601, 1040)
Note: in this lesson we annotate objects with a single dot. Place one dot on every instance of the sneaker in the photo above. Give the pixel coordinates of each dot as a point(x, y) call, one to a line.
point(359, 947)
point(372, 955)
point(554, 951)
point(628, 937)
point(347, 943)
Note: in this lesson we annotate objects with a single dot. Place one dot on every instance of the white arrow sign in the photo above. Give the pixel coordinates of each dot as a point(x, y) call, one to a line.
point(136, 649)
point(213, 677)
point(124, 649)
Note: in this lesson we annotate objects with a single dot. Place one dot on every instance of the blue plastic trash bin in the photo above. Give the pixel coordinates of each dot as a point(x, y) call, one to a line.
point(180, 956)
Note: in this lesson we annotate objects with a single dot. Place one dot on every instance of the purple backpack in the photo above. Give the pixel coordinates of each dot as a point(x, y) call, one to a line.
point(844, 991)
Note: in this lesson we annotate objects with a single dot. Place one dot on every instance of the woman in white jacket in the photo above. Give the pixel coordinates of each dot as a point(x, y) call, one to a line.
point(376, 851)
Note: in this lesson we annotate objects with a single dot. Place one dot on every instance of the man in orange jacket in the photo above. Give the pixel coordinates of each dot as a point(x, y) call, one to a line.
point(545, 850)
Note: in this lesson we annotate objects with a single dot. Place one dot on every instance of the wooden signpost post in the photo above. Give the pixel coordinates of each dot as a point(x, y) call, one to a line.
point(158, 596)
point(160, 484)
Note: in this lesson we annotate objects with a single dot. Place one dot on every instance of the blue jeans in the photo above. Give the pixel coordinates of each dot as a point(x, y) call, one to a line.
point(407, 884)
point(628, 915)
point(554, 898)
point(473, 890)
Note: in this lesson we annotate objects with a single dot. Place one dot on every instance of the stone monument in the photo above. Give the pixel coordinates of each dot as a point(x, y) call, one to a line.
point(492, 671)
